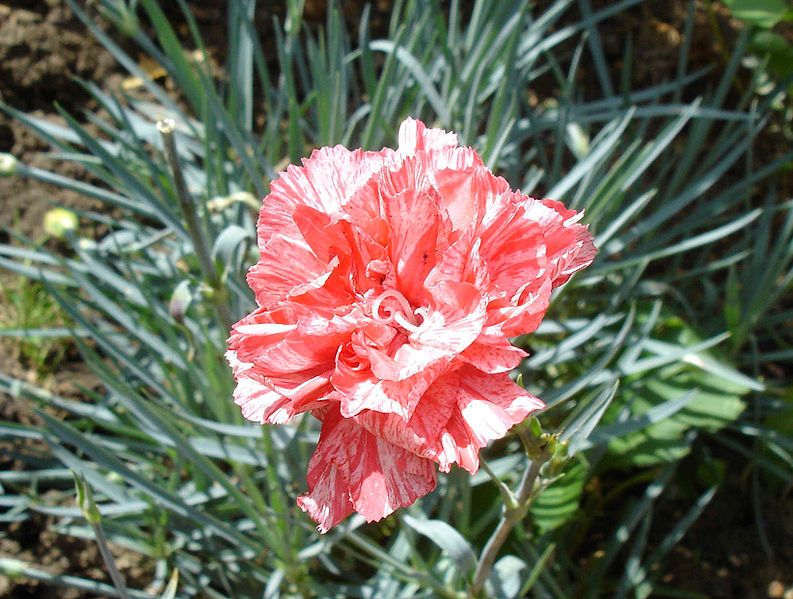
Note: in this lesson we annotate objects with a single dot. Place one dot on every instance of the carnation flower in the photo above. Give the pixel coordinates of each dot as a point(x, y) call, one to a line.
point(388, 286)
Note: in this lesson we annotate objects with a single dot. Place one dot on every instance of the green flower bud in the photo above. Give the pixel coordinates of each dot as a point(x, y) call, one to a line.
point(535, 427)
point(85, 500)
point(8, 165)
point(59, 222)
point(208, 292)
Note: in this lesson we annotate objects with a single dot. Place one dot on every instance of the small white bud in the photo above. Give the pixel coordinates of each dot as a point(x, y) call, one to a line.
point(59, 222)
point(181, 298)
point(8, 165)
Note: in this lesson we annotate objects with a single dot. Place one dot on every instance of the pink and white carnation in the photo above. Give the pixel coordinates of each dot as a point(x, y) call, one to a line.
point(388, 286)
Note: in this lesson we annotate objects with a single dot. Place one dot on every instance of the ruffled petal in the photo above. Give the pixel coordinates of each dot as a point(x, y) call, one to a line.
point(362, 391)
point(525, 313)
point(287, 268)
point(327, 179)
point(491, 405)
point(455, 319)
point(306, 391)
point(426, 423)
point(487, 407)
point(300, 351)
point(358, 263)
point(263, 395)
point(352, 469)
point(461, 262)
point(493, 355)
point(328, 500)
point(513, 247)
point(259, 331)
point(321, 233)
point(414, 224)
point(452, 321)
point(457, 445)
point(414, 136)
point(268, 340)
point(569, 245)
point(359, 390)
point(387, 478)
point(466, 194)
point(257, 402)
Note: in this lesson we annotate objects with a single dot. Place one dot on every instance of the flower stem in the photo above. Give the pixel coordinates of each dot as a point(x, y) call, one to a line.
point(166, 128)
point(508, 521)
point(540, 447)
point(110, 562)
point(86, 503)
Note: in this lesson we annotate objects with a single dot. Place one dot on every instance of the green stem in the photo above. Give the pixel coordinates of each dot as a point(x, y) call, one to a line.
point(508, 521)
point(110, 562)
point(166, 127)
point(86, 503)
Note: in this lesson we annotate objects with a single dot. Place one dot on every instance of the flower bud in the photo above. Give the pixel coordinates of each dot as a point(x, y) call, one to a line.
point(577, 140)
point(208, 292)
point(59, 222)
point(85, 500)
point(8, 165)
point(181, 298)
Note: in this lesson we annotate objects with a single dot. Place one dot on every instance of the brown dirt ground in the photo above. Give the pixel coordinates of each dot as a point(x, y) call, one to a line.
point(43, 46)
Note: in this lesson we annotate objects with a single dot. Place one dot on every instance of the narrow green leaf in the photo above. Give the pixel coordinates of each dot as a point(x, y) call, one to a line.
point(447, 538)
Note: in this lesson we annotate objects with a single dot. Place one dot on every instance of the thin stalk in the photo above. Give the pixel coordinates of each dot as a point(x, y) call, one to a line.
point(110, 562)
point(166, 128)
point(86, 503)
point(508, 521)
point(14, 568)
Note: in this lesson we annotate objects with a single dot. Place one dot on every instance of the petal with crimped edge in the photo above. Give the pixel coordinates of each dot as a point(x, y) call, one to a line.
point(569, 245)
point(466, 194)
point(328, 501)
point(363, 391)
point(513, 247)
point(455, 318)
point(257, 402)
point(427, 421)
point(327, 179)
point(527, 311)
point(414, 136)
point(287, 267)
point(354, 469)
point(488, 405)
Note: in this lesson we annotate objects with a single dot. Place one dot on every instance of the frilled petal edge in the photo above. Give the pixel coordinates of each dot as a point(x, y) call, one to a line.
point(352, 469)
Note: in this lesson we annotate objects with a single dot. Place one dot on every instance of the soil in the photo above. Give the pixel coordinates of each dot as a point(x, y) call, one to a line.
point(741, 546)
point(723, 556)
point(43, 47)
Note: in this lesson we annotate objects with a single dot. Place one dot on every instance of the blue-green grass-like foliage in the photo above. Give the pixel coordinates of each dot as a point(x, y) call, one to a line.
point(659, 347)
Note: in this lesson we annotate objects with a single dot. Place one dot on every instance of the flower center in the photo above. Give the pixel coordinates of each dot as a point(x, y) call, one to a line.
point(391, 306)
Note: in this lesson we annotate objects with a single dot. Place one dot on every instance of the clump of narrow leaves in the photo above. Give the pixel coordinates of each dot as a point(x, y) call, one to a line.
point(664, 344)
